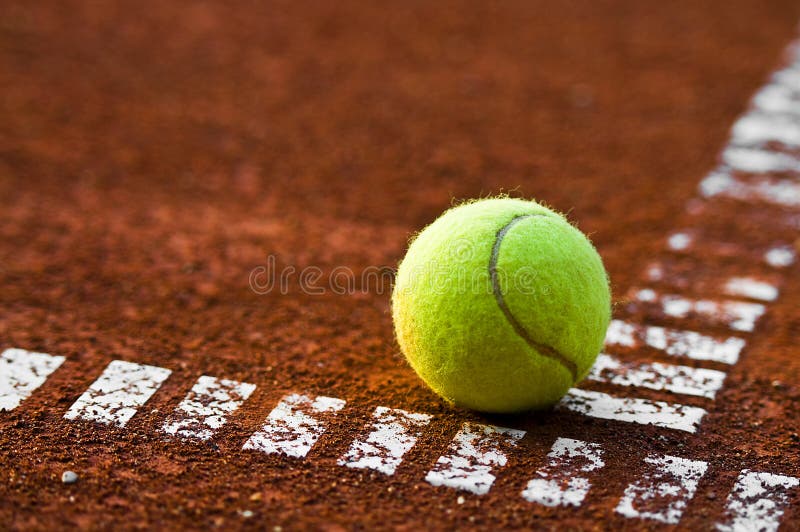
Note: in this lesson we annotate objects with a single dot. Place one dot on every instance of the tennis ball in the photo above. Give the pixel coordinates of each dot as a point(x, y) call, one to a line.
point(501, 305)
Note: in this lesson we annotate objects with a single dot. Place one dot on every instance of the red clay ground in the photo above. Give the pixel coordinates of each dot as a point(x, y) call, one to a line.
point(153, 154)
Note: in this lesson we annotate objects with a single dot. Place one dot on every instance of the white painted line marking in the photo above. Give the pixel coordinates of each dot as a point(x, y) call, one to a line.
point(738, 315)
point(680, 241)
point(674, 342)
point(295, 425)
point(775, 98)
point(757, 502)
point(759, 161)
point(633, 410)
point(754, 129)
point(782, 192)
point(752, 288)
point(664, 490)
point(394, 433)
point(21, 372)
point(206, 407)
point(474, 453)
point(780, 256)
point(563, 480)
point(114, 397)
point(656, 376)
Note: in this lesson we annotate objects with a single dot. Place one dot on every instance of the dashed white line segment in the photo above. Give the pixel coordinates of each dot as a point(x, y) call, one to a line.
point(683, 380)
point(394, 432)
point(564, 479)
point(675, 342)
point(737, 315)
point(295, 425)
point(116, 395)
point(473, 455)
point(663, 491)
point(22, 372)
point(757, 502)
point(752, 288)
point(206, 407)
point(633, 410)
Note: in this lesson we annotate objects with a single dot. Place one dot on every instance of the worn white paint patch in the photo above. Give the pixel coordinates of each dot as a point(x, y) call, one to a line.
point(757, 502)
point(394, 433)
point(738, 315)
point(752, 288)
point(564, 479)
point(295, 425)
point(663, 490)
point(680, 241)
point(675, 342)
point(782, 192)
point(757, 128)
point(474, 454)
point(633, 410)
point(206, 407)
point(22, 372)
point(780, 256)
point(119, 391)
point(683, 380)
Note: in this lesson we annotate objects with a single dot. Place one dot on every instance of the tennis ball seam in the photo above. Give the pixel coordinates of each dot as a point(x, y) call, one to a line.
point(541, 348)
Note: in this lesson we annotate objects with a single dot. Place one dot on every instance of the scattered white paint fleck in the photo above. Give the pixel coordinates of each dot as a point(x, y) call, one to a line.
point(394, 433)
point(664, 489)
point(754, 129)
point(655, 273)
point(22, 372)
point(752, 288)
point(475, 452)
point(563, 480)
point(656, 376)
point(206, 407)
point(738, 315)
point(675, 342)
point(757, 502)
point(783, 192)
point(679, 241)
point(295, 425)
point(780, 256)
point(114, 397)
point(633, 410)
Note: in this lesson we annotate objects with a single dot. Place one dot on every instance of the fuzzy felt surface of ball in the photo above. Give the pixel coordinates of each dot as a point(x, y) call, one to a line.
point(501, 305)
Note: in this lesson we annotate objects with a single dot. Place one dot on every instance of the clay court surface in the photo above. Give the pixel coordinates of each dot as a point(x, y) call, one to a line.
point(156, 156)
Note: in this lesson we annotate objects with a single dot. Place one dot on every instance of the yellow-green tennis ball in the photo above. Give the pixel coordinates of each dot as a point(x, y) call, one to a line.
point(501, 305)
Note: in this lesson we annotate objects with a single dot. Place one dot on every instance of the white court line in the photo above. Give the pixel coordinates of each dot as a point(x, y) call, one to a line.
point(563, 480)
point(633, 410)
point(758, 128)
point(295, 425)
point(206, 407)
point(674, 342)
point(119, 391)
point(394, 433)
point(781, 192)
point(752, 288)
point(757, 502)
point(737, 315)
point(656, 376)
point(475, 452)
point(21, 372)
point(676, 275)
point(664, 489)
